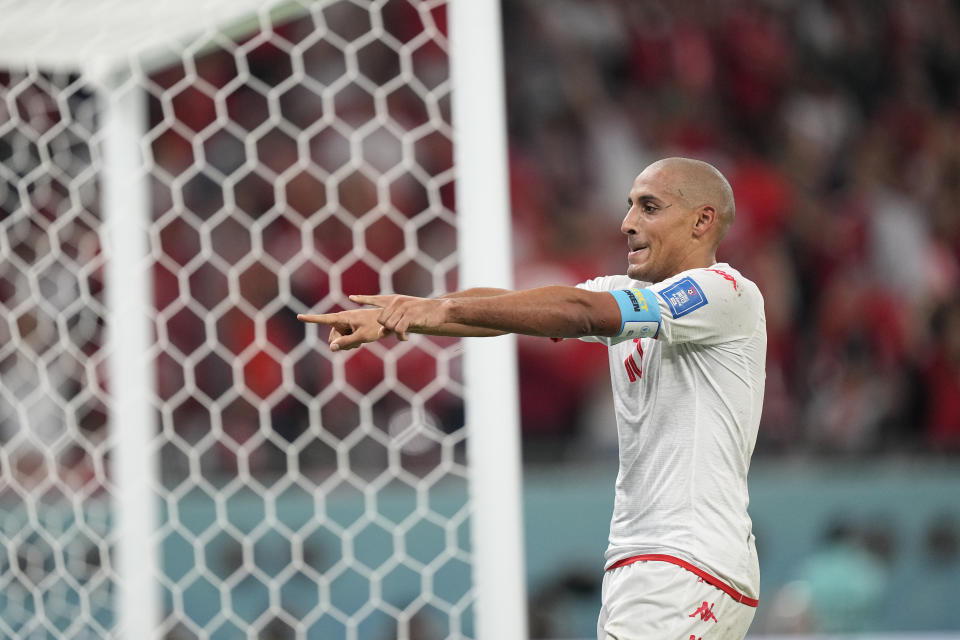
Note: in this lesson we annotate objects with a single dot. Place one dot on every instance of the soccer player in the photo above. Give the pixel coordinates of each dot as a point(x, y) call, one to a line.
point(687, 344)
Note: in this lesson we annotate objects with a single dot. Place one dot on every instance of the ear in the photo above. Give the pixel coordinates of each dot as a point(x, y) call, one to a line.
point(706, 220)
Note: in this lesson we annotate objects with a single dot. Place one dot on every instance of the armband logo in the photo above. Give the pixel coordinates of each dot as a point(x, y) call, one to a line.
point(637, 300)
point(683, 296)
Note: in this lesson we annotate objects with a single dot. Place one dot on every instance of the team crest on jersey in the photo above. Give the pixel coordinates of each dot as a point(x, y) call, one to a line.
point(683, 296)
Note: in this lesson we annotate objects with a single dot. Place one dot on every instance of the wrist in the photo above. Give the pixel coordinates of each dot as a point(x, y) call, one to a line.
point(450, 310)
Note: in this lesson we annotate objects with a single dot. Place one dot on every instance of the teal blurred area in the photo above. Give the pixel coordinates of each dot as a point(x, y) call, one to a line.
point(844, 547)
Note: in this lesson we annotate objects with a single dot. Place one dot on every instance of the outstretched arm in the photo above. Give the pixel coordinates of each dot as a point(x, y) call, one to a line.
point(353, 328)
point(557, 312)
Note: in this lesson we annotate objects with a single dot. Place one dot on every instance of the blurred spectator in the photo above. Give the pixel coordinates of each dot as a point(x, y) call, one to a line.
point(558, 605)
point(846, 581)
point(790, 611)
point(942, 380)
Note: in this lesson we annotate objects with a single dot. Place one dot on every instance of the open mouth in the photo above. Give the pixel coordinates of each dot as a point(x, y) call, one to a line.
point(637, 252)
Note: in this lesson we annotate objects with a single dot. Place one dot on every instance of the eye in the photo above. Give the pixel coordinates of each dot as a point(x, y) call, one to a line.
point(649, 208)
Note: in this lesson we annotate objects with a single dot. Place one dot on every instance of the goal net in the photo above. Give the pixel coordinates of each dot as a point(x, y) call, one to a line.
point(283, 156)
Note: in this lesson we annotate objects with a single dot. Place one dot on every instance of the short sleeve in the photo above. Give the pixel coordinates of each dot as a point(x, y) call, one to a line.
point(606, 283)
point(707, 306)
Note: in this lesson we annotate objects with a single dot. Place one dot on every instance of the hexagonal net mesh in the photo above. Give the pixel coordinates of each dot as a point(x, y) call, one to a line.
point(304, 494)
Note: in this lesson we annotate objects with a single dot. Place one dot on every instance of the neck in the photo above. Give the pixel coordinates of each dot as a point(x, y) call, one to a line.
point(696, 261)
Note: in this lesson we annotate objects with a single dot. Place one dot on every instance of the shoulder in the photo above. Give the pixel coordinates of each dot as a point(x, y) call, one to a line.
point(719, 286)
point(723, 275)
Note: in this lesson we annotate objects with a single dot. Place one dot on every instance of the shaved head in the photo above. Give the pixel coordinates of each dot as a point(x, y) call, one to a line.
point(680, 210)
point(698, 183)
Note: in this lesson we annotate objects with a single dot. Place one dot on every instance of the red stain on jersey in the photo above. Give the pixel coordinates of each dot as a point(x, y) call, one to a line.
point(705, 612)
point(726, 276)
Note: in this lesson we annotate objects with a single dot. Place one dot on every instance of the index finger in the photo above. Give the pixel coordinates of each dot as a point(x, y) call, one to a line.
point(374, 301)
point(328, 319)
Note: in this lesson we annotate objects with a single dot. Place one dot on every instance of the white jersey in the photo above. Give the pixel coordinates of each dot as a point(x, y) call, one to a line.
point(688, 406)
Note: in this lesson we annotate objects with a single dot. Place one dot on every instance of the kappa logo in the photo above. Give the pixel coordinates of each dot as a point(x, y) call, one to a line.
point(705, 612)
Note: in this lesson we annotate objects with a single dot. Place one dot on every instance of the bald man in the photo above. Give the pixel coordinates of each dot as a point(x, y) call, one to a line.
point(686, 338)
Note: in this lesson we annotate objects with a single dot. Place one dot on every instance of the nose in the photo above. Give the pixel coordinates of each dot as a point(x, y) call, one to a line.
point(629, 225)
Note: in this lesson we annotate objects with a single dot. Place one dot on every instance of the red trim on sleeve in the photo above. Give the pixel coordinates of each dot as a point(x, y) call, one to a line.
point(713, 580)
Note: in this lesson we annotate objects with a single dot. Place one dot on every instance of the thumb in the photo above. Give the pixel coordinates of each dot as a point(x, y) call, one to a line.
point(351, 341)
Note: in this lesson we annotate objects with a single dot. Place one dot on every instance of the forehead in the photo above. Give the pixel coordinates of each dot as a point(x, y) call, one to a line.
point(652, 183)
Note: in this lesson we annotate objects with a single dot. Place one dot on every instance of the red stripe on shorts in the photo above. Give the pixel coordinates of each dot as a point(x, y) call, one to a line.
point(709, 579)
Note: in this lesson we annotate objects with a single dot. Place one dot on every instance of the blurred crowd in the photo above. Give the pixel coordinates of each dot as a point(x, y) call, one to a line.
point(837, 123)
point(289, 170)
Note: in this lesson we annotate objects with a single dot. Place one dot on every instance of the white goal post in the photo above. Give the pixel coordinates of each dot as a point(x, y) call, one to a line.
point(179, 459)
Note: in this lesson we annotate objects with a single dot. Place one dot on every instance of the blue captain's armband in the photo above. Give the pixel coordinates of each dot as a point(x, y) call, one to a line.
point(639, 313)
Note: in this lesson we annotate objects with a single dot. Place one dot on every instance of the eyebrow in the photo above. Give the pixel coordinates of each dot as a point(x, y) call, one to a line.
point(647, 197)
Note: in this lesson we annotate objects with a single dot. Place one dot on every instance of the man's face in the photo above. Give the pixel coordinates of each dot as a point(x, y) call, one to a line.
point(658, 227)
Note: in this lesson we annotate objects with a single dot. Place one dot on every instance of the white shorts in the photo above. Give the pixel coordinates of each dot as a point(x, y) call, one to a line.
point(653, 600)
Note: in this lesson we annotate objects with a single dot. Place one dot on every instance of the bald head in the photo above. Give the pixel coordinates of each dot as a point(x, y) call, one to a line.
point(680, 209)
point(698, 184)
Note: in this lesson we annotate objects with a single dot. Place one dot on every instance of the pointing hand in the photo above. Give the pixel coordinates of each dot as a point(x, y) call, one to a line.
point(400, 314)
point(348, 329)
